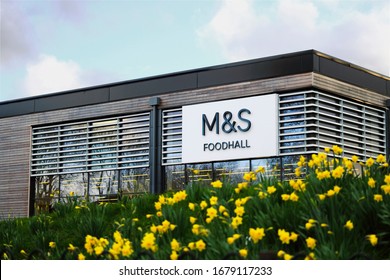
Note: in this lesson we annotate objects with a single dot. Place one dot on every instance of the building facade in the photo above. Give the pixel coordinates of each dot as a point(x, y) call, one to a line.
point(159, 133)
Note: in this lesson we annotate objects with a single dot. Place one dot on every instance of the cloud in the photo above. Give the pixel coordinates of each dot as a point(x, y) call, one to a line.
point(16, 43)
point(73, 11)
point(50, 74)
point(358, 32)
point(21, 32)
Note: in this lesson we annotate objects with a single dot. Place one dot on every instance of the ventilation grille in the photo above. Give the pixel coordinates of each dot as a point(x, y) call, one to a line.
point(102, 144)
point(172, 136)
point(310, 121)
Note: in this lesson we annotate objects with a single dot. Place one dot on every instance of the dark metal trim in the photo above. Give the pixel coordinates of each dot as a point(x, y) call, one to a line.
point(155, 147)
point(257, 69)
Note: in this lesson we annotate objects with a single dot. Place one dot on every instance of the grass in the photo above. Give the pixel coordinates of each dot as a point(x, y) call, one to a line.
point(335, 208)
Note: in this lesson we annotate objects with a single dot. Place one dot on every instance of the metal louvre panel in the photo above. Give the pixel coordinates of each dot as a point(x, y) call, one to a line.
point(328, 120)
point(95, 145)
point(172, 136)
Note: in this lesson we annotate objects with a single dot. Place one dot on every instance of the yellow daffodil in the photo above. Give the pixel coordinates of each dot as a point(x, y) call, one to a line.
point(239, 211)
point(193, 220)
point(381, 159)
point(355, 158)
point(310, 256)
point(311, 243)
point(175, 245)
point(221, 209)
point(337, 150)
point(200, 245)
point(191, 206)
point(213, 200)
point(212, 212)
point(321, 196)
point(370, 162)
point(243, 253)
point(349, 225)
point(281, 253)
point(323, 175)
point(336, 189)
point(256, 234)
point(284, 236)
point(236, 221)
point(148, 242)
point(179, 196)
point(285, 197)
point(387, 179)
point(386, 189)
point(157, 206)
point(216, 184)
point(249, 176)
point(271, 189)
point(371, 182)
point(293, 236)
point(262, 195)
point(294, 197)
point(192, 245)
point(174, 256)
point(373, 239)
point(338, 172)
point(330, 193)
point(308, 226)
point(378, 197)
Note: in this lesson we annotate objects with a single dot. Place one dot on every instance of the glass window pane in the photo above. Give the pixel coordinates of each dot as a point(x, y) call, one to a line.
point(289, 163)
point(46, 192)
point(231, 170)
point(76, 184)
point(200, 172)
point(135, 181)
point(103, 183)
point(174, 177)
point(271, 166)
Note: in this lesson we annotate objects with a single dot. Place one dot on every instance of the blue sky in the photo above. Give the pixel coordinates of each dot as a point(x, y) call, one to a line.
point(50, 46)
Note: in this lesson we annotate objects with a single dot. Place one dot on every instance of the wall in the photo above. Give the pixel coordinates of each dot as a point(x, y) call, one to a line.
point(15, 131)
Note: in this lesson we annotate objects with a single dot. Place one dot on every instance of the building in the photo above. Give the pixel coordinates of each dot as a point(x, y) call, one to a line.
point(149, 135)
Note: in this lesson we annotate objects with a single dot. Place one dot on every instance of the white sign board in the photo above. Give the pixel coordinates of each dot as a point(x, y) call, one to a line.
point(231, 129)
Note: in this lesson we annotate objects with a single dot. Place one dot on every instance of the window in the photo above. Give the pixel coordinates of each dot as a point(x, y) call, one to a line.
point(171, 136)
point(95, 145)
point(310, 121)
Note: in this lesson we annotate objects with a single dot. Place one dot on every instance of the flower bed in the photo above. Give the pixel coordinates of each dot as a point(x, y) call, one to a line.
point(335, 208)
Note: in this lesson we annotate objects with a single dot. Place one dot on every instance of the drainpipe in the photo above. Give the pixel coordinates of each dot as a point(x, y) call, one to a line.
point(155, 146)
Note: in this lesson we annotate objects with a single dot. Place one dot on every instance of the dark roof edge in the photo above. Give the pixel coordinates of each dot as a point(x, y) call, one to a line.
point(260, 68)
point(159, 76)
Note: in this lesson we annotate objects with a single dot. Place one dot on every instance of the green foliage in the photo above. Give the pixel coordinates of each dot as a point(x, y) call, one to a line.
point(335, 208)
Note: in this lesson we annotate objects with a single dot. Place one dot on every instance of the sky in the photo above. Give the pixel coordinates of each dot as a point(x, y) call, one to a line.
point(49, 46)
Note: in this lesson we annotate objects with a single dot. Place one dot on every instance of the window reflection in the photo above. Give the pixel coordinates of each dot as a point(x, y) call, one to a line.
point(74, 184)
point(289, 163)
point(103, 184)
point(46, 192)
point(175, 177)
point(134, 181)
point(233, 171)
point(272, 166)
point(200, 172)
